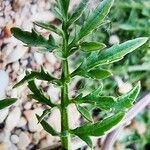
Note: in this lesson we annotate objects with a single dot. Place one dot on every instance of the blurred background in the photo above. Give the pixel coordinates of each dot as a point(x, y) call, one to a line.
point(19, 130)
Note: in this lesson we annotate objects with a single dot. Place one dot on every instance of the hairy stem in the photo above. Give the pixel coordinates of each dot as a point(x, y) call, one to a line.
point(65, 139)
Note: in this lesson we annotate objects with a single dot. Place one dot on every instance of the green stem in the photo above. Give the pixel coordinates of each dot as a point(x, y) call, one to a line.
point(65, 139)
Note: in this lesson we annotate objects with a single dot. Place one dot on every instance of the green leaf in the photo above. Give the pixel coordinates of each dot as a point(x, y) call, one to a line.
point(99, 128)
point(45, 113)
point(63, 6)
point(38, 94)
point(91, 46)
point(126, 101)
point(95, 74)
point(87, 140)
point(32, 39)
point(85, 113)
point(49, 27)
point(42, 75)
point(110, 55)
point(7, 102)
point(47, 127)
point(77, 12)
point(94, 98)
point(102, 102)
point(95, 19)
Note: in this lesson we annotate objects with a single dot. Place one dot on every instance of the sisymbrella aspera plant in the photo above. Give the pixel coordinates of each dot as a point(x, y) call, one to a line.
point(91, 67)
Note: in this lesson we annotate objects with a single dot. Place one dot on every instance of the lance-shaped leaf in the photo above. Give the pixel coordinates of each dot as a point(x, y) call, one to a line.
point(39, 95)
point(94, 73)
point(99, 128)
point(91, 46)
point(63, 6)
point(126, 101)
point(94, 98)
point(42, 75)
point(7, 102)
point(49, 27)
point(84, 112)
point(77, 12)
point(95, 19)
point(47, 127)
point(110, 55)
point(45, 113)
point(32, 39)
point(87, 140)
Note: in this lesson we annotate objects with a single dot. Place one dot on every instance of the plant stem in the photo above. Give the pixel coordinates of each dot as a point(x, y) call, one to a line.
point(65, 139)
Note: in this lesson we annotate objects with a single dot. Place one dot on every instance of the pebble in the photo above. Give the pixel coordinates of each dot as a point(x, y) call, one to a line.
point(73, 120)
point(14, 139)
point(114, 39)
point(54, 120)
point(28, 105)
point(17, 54)
point(24, 141)
point(15, 66)
point(32, 120)
point(53, 92)
point(39, 58)
point(3, 114)
point(22, 122)
point(51, 58)
point(13, 118)
point(4, 80)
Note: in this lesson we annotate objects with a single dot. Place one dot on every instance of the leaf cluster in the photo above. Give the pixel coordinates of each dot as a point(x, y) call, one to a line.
point(91, 67)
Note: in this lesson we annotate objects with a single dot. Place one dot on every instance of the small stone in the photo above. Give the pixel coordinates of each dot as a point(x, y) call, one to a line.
point(13, 118)
point(114, 39)
point(22, 122)
point(28, 105)
point(125, 88)
point(73, 119)
point(53, 92)
point(32, 120)
point(4, 80)
point(15, 66)
point(3, 147)
point(14, 139)
point(24, 141)
point(3, 114)
point(38, 58)
point(17, 53)
point(51, 58)
point(54, 120)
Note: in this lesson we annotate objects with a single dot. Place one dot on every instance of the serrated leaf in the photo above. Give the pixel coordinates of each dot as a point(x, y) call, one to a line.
point(7, 102)
point(42, 75)
point(96, 74)
point(77, 12)
point(110, 55)
point(49, 27)
point(85, 113)
point(38, 94)
point(95, 19)
point(32, 39)
point(91, 46)
point(99, 128)
point(47, 127)
point(87, 140)
point(102, 102)
point(126, 101)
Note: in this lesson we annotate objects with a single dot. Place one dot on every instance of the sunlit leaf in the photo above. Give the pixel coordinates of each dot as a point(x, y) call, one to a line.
point(47, 127)
point(32, 39)
point(99, 128)
point(7, 102)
